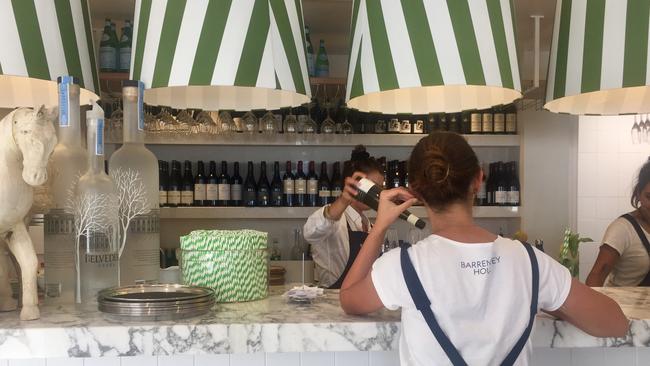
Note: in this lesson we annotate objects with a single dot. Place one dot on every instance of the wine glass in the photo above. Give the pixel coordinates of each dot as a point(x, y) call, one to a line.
point(226, 123)
point(647, 128)
point(636, 131)
point(250, 122)
point(290, 123)
point(310, 126)
point(268, 123)
point(328, 126)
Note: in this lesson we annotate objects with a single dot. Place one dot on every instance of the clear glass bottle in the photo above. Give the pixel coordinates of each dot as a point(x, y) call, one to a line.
point(68, 162)
point(96, 192)
point(140, 261)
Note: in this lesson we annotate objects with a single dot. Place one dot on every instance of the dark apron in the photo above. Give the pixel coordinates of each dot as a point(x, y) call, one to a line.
point(423, 304)
point(644, 239)
point(356, 241)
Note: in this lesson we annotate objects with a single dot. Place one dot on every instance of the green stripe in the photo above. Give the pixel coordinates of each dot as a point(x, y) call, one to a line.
point(70, 50)
point(143, 25)
point(0, 68)
point(461, 20)
point(382, 54)
point(251, 57)
point(562, 50)
point(424, 50)
point(500, 42)
point(353, 25)
point(592, 55)
point(357, 80)
point(286, 35)
point(514, 32)
point(168, 39)
point(301, 21)
point(90, 44)
point(210, 40)
point(636, 43)
point(30, 39)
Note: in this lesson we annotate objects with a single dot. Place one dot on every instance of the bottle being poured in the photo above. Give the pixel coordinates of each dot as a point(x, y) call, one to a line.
point(368, 193)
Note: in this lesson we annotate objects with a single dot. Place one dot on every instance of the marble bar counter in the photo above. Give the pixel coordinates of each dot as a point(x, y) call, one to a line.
point(271, 325)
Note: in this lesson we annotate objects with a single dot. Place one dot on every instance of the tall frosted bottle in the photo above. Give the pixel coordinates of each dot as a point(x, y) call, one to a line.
point(98, 195)
point(140, 261)
point(68, 162)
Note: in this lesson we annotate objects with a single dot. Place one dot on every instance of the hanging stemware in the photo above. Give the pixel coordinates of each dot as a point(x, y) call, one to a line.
point(268, 123)
point(290, 123)
point(346, 127)
point(250, 122)
point(647, 129)
point(328, 126)
point(635, 133)
point(226, 123)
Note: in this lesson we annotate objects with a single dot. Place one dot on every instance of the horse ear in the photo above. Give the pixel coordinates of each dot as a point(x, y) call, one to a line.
point(41, 110)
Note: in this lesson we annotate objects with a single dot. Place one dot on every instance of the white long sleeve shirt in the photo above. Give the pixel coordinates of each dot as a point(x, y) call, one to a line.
point(330, 242)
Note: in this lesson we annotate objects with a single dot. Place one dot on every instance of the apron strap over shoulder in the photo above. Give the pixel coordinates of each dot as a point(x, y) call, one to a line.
point(423, 304)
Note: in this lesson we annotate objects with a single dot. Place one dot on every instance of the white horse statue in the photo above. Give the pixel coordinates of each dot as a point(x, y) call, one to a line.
point(27, 138)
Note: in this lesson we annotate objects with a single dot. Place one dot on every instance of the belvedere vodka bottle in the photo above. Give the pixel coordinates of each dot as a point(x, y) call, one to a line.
point(140, 259)
point(68, 163)
point(97, 195)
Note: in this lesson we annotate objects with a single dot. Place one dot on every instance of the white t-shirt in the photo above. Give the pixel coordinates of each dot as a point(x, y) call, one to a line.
point(479, 293)
point(634, 262)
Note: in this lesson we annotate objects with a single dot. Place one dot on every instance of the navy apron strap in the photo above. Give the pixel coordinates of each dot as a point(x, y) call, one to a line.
point(519, 346)
point(644, 239)
point(423, 304)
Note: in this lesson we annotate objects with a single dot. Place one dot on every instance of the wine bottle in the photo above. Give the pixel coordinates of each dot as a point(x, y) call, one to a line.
point(212, 187)
point(394, 179)
point(187, 188)
point(481, 195)
point(476, 126)
point(200, 185)
point(324, 187)
point(501, 189)
point(337, 181)
point(401, 169)
point(465, 126)
point(368, 193)
point(454, 125)
point(514, 187)
point(499, 121)
point(250, 188)
point(175, 185)
point(276, 187)
point(236, 187)
point(511, 119)
point(288, 186)
point(487, 124)
point(312, 186)
point(225, 188)
point(443, 124)
point(489, 185)
point(263, 188)
point(163, 178)
point(300, 187)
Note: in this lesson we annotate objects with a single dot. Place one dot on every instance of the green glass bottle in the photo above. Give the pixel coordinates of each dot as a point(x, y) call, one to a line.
point(322, 63)
point(125, 47)
point(311, 68)
point(107, 51)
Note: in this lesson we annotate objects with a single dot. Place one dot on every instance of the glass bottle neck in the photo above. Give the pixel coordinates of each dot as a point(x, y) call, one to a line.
point(95, 147)
point(69, 125)
point(132, 134)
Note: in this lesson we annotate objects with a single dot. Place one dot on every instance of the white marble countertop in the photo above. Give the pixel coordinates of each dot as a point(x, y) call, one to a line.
point(270, 325)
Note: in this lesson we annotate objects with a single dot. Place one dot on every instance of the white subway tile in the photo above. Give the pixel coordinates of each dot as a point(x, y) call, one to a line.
point(3, 362)
point(607, 174)
point(607, 139)
point(138, 361)
point(27, 362)
point(587, 174)
point(283, 359)
point(247, 359)
point(181, 360)
point(352, 359)
point(587, 357)
point(587, 137)
point(384, 358)
point(620, 356)
point(586, 208)
point(65, 362)
point(607, 208)
point(317, 359)
point(102, 361)
point(550, 356)
point(212, 360)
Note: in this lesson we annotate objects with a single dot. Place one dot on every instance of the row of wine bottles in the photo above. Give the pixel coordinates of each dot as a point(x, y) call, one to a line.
point(501, 186)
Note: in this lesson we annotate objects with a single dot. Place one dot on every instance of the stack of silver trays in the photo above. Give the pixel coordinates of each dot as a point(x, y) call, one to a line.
point(156, 302)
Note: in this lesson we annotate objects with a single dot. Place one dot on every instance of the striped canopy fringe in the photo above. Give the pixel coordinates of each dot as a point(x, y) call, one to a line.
point(43, 40)
point(256, 44)
point(599, 57)
point(410, 44)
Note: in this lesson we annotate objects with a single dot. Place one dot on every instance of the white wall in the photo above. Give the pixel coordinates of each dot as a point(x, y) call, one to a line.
point(608, 164)
point(548, 170)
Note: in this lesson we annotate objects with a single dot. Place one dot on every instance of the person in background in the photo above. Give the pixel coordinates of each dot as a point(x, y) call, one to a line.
point(336, 231)
point(624, 256)
point(467, 295)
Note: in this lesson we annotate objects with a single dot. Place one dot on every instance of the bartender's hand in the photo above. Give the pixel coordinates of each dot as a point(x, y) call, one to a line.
point(389, 209)
point(336, 209)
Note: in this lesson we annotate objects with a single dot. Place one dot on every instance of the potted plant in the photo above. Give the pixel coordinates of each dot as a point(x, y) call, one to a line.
point(569, 251)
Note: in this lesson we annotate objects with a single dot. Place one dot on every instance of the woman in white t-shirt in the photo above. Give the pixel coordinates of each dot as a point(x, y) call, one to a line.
point(624, 256)
point(476, 293)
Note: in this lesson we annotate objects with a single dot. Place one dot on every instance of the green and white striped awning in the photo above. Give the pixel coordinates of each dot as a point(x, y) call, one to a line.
point(40, 41)
point(600, 58)
point(221, 54)
point(423, 56)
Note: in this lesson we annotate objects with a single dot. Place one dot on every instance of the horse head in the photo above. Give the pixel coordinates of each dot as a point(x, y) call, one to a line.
point(35, 137)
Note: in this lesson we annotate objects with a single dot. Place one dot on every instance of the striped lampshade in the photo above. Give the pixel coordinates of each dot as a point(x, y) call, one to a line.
point(40, 41)
point(221, 54)
point(599, 58)
point(423, 56)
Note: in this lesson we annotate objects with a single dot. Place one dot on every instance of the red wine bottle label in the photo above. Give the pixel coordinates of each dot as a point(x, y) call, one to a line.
point(500, 197)
point(162, 197)
point(324, 193)
point(235, 192)
point(174, 197)
point(301, 186)
point(336, 192)
point(513, 198)
point(212, 192)
point(187, 197)
point(224, 191)
point(312, 186)
point(288, 186)
point(199, 192)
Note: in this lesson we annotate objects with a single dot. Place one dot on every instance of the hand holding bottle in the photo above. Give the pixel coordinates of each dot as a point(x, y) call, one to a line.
point(389, 209)
point(336, 209)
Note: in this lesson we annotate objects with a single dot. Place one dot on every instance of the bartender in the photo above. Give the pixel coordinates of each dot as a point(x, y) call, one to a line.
point(337, 231)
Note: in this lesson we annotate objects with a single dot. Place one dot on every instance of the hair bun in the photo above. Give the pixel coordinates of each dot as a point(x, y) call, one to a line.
point(359, 153)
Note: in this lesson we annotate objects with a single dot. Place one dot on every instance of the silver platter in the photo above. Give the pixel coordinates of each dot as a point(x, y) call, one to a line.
point(154, 293)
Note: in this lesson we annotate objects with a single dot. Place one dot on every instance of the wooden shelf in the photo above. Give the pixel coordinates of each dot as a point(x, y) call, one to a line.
point(280, 213)
point(114, 76)
point(318, 140)
point(327, 81)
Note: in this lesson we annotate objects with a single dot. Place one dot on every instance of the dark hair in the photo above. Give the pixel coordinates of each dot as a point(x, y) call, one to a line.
point(642, 180)
point(441, 169)
point(361, 161)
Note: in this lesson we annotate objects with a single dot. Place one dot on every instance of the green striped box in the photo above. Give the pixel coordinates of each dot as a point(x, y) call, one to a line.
point(234, 263)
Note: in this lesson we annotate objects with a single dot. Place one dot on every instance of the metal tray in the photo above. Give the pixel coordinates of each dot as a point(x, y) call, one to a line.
point(155, 293)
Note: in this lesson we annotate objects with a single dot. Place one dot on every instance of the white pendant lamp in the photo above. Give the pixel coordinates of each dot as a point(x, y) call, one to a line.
point(40, 41)
point(221, 54)
point(599, 58)
point(422, 56)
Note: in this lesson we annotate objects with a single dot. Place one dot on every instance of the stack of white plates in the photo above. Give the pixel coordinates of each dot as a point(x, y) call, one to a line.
point(156, 302)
